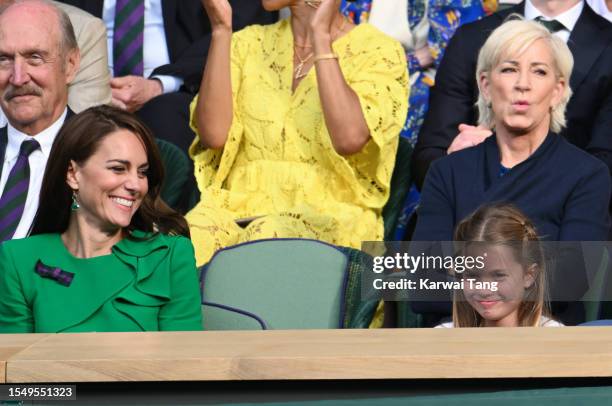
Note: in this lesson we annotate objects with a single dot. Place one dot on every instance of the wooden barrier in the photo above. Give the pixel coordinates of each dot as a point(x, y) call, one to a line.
point(12, 344)
point(308, 355)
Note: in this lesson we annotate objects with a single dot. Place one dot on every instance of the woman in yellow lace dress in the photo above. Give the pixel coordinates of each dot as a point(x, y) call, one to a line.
point(298, 125)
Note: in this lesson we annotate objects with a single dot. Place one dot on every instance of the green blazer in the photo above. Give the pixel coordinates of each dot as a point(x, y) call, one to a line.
point(143, 285)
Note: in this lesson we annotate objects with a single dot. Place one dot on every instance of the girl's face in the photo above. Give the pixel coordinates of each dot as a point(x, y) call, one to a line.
point(498, 301)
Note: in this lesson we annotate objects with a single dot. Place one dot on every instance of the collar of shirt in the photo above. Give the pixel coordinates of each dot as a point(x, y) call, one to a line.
point(567, 18)
point(44, 138)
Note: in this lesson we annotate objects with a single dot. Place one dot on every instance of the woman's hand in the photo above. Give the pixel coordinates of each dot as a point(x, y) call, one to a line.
point(219, 13)
point(469, 136)
point(424, 57)
point(321, 23)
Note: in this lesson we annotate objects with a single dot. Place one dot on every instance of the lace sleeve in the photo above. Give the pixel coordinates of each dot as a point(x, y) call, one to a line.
point(381, 83)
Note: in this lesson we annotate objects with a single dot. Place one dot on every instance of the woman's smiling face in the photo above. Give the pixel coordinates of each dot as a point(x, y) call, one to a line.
point(112, 183)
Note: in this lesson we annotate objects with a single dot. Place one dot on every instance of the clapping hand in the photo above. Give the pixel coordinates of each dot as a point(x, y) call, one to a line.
point(323, 18)
point(219, 13)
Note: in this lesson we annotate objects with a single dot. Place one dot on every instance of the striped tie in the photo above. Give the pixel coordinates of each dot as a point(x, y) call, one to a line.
point(551, 25)
point(12, 202)
point(128, 38)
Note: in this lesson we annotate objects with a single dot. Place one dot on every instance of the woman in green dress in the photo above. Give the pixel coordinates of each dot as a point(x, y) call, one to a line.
point(106, 254)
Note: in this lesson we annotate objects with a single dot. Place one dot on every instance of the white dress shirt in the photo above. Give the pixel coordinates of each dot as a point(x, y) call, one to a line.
point(38, 162)
point(567, 18)
point(2, 119)
point(601, 8)
point(155, 48)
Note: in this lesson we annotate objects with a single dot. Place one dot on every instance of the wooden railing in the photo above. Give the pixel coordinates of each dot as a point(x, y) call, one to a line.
point(307, 355)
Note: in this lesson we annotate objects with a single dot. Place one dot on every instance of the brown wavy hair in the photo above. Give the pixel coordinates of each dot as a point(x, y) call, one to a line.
point(506, 225)
point(78, 140)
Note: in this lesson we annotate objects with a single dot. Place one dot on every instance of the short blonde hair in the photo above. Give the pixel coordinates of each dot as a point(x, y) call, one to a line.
point(513, 38)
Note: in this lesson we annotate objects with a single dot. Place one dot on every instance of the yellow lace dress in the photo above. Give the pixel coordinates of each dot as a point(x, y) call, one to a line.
point(279, 162)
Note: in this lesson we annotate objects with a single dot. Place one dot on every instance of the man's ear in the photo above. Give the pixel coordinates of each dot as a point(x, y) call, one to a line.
point(72, 176)
point(72, 63)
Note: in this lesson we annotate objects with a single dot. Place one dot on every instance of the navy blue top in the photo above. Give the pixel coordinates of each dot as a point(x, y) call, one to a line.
point(563, 190)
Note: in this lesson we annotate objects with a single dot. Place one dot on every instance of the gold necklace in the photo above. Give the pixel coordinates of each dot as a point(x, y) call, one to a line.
point(298, 72)
point(295, 44)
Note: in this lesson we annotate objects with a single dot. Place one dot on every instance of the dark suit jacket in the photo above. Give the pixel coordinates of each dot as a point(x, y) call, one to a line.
point(589, 112)
point(4, 143)
point(188, 32)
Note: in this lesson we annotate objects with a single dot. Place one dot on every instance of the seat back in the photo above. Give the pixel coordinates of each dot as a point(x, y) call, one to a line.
point(177, 169)
point(275, 284)
point(400, 184)
point(597, 298)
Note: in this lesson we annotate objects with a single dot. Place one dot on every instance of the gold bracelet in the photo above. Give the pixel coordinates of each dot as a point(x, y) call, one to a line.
point(323, 57)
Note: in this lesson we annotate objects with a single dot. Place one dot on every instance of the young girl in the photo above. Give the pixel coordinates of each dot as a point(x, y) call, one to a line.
point(514, 267)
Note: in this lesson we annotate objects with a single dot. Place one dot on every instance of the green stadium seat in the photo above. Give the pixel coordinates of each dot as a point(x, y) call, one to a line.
point(284, 284)
point(177, 169)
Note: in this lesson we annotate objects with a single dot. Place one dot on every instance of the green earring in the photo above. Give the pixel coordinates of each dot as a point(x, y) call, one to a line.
point(75, 203)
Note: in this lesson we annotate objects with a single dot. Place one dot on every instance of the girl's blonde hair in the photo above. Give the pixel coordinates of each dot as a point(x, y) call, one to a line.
point(504, 224)
point(513, 38)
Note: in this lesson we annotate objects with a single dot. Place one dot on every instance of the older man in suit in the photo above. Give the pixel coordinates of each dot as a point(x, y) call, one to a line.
point(91, 86)
point(157, 50)
point(449, 124)
point(39, 57)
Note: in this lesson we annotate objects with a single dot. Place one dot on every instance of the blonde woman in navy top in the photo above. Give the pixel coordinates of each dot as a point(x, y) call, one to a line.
point(522, 74)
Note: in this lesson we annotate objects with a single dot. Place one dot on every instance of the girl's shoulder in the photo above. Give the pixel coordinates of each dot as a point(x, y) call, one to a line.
point(548, 322)
point(544, 322)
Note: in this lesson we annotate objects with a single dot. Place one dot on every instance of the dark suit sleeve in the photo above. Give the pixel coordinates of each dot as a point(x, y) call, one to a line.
point(600, 144)
point(451, 102)
point(586, 218)
point(189, 66)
